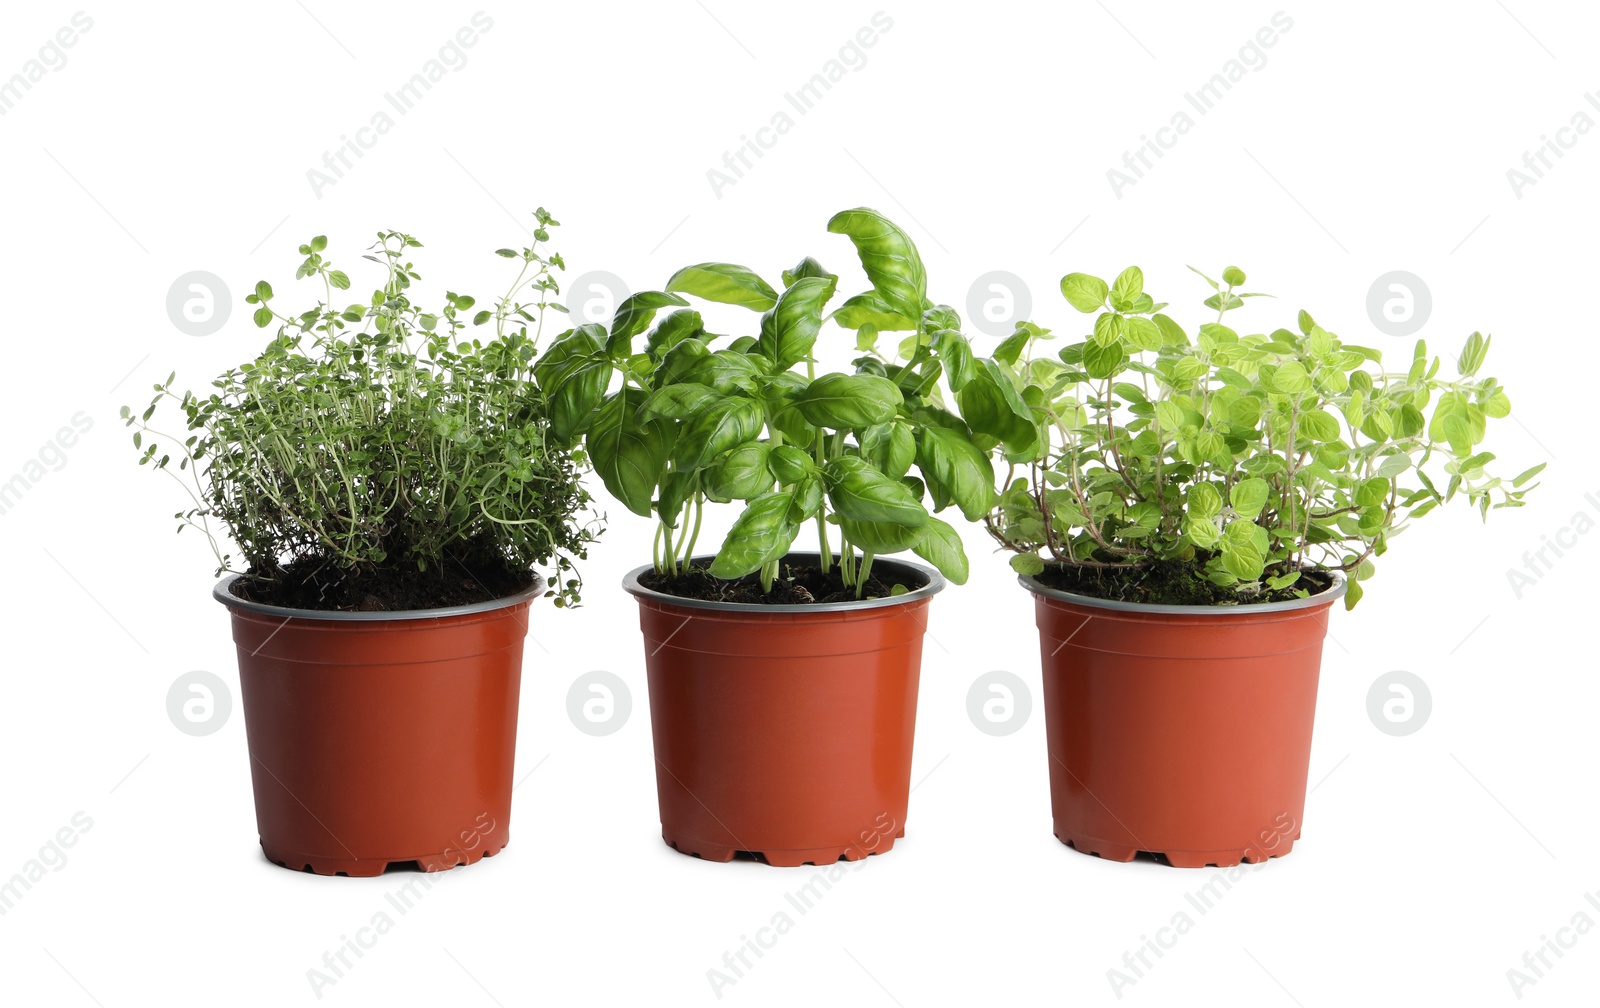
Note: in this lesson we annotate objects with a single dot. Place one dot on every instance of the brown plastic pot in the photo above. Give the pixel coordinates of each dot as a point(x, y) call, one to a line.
point(784, 731)
point(381, 737)
point(1181, 731)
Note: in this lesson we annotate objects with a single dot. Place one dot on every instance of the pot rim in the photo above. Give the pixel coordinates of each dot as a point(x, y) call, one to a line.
point(221, 593)
point(936, 583)
point(1333, 594)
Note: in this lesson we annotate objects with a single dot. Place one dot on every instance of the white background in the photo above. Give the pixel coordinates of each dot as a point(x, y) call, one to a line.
point(1376, 137)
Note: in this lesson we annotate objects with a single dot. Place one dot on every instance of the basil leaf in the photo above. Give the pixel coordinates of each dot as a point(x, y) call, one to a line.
point(859, 491)
point(726, 283)
point(849, 402)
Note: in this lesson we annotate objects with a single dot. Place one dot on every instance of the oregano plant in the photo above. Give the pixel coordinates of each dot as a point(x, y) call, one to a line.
point(1240, 459)
point(380, 441)
point(676, 417)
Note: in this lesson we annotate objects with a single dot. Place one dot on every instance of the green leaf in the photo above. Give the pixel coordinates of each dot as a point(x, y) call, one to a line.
point(861, 492)
point(807, 267)
point(1084, 292)
point(880, 537)
point(1012, 346)
point(955, 353)
point(1319, 424)
point(1248, 496)
point(677, 363)
point(679, 402)
point(1127, 287)
point(726, 283)
point(674, 491)
point(889, 446)
point(1372, 492)
point(1144, 334)
point(1203, 532)
point(1169, 415)
point(1103, 361)
point(849, 402)
point(633, 317)
point(1472, 355)
point(1108, 329)
point(262, 317)
point(1172, 333)
point(1457, 431)
point(725, 424)
point(761, 534)
point(741, 473)
point(263, 291)
point(685, 323)
point(573, 374)
point(889, 258)
point(940, 544)
point(807, 498)
point(1291, 378)
point(727, 371)
point(1233, 276)
point(1028, 564)
point(789, 330)
point(628, 455)
point(990, 404)
point(1406, 423)
point(1498, 405)
point(577, 397)
point(1242, 560)
point(870, 309)
point(570, 351)
point(956, 472)
point(789, 464)
point(1203, 501)
point(1529, 474)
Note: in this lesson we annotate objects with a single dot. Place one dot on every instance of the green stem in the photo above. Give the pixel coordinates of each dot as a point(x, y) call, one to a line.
point(822, 539)
point(866, 568)
point(694, 535)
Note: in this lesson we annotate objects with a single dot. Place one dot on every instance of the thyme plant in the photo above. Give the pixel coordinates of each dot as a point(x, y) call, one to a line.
point(383, 436)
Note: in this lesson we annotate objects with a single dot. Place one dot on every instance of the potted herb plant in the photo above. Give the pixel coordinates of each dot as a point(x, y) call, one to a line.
point(390, 483)
point(1201, 499)
point(783, 682)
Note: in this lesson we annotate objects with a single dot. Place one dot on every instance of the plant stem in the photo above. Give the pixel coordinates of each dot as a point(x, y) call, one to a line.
point(866, 568)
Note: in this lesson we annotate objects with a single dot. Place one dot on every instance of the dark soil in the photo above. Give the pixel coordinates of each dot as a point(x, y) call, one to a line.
point(313, 583)
point(796, 584)
point(1170, 582)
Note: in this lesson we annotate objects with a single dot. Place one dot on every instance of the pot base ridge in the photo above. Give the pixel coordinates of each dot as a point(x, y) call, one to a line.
point(437, 861)
point(1178, 859)
point(781, 857)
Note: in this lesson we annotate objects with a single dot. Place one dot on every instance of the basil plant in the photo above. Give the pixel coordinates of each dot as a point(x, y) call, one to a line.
point(1250, 456)
point(673, 416)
